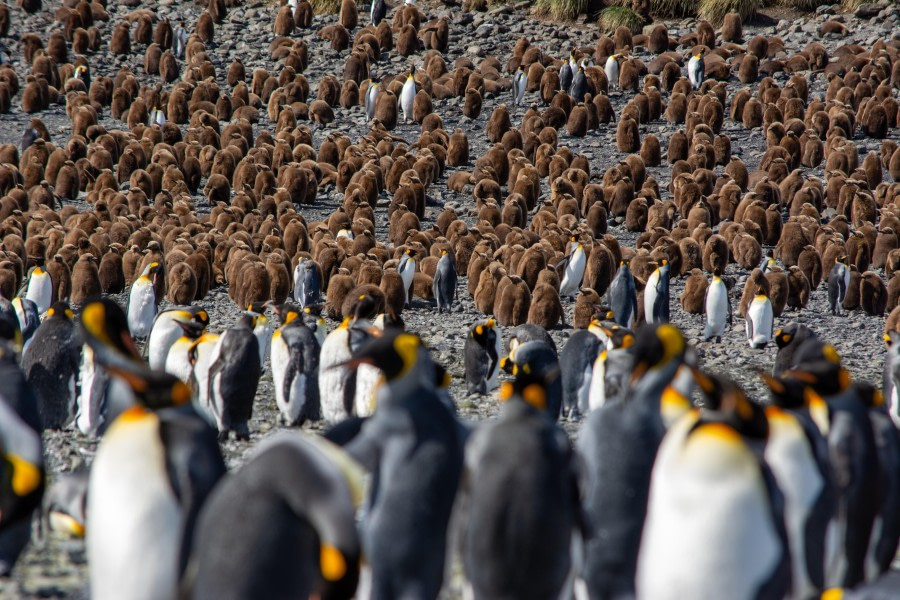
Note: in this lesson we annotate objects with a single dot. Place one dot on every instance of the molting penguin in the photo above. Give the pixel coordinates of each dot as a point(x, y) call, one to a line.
point(233, 378)
point(444, 285)
point(760, 321)
point(295, 368)
point(516, 538)
point(51, 366)
point(142, 302)
point(656, 294)
point(482, 358)
point(573, 265)
point(40, 289)
point(717, 307)
point(262, 534)
point(697, 69)
point(413, 447)
point(623, 296)
point(307, 283)
point(408, 94)
point(576, 361)
point(167, 329)
point(407, 270)
point(838, 282)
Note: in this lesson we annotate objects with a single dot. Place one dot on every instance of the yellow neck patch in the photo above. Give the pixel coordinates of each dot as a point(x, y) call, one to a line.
point(536, 396)
point(26, 477)
point(332, 563)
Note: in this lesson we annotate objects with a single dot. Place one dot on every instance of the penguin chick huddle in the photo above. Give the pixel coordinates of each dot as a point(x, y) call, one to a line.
point(287, 180)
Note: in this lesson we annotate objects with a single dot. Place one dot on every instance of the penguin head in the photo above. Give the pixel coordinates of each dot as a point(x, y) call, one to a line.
point(657, 348)
point(841, 259)
point(480, 331)
point(619, 337)
point(151, 270)
point(397, 354)
point(717, 274)
point(529, 385)
point(727, 403)
point(287, 312)
point(890, 338)
point(786, 391)
point(869, 394)
point(191, 329)
point(820, 365)
point(60, 310)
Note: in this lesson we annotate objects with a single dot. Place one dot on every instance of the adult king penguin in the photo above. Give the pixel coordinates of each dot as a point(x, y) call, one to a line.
point(40, 288)
point(444, 286)
point(891, 376)
point(520, 493)
point(697, 69)
point(573, 265)
point(714, 526)
point(623, 296)
point(28, 317)
point(142, 302)
point(337, 382)
point(566, 72)
point(538, 358)
point(233, 378)
point(407, 270)
point(611, 369)
point(377, 12)
point(760, 321)
point(295, 368)
point(618, 444)
point(408, 94)
point(307, 283)
point(412, 446)
point(656, 294)
point(576, 362)
point(264, 534)
point(788, 339)
point(717, 307)
point(372, 93)
point(611, 68)
point(168, 328)
point(51, 366)
point(838, 282)
point(520, 81)
point(482, 357)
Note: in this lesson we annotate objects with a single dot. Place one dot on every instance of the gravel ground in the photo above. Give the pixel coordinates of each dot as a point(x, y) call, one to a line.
point(56, 567)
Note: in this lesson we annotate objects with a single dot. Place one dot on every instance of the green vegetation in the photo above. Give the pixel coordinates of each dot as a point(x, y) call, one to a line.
point(619, 16)
point(714, 11)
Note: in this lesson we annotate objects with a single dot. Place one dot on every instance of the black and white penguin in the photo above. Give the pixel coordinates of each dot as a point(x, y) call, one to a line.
point(412, 446)
point(537, 358)
point(576, 363)
point(838, 282)
point(10, 328)
point(168, 327)
point(372, 93)
point(262, 329)
point(340, 392)
point(567, 72)
point(313, 318)
point(65, 503)
point(712, 499)
point(520, 494)
point(788, 339)
point(623, 296)
point(697, 69)
point(579, 85)
point(529, 332)
point(233, 378)
point(482, 357)
point(611, 68)
point(573, 269)
point(377, 12)
point(444, 286)
point(179, 40)
point(40, 289)
point(611, 369)
point(29, 136)
point(264, 534)
point(891, 376)
point(618, 443)
point(295, 368)
point(21, 459)
point(51, 365)
point(408, 94)
point(28, 316)
point(760, 321)
point(717, 307)
point(520, 82)
point(656, 294)
point(178, 360)
point(307, 283)
point(407, 270)
point(142, 303)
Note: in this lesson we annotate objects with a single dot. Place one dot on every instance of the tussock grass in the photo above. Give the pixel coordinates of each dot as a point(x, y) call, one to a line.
point(849, 4)
point(672, 8)
point(325, 7)
point(613, 17)
point(803, 4)
point(714, 11)
point(560, 10)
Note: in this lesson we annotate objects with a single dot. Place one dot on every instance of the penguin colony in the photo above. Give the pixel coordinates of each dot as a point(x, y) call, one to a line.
point(680, 484)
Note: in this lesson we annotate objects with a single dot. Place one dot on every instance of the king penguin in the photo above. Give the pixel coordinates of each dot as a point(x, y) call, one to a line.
point(565, 75)
point(142, 302)
point(579, 85)
point(623, 296)
point(167, 329)
point(891, 376)
point(28, 317)
point(717, 307)
point(307, 283)
point(520, 493)
point(444, 286)
point(407, 270)
point(21, 459)
point(612, 70)
point(412, 446)
point(788, 339)
point(233, 378)
point(611, 369)
point(261, 534)
point(573, 265)
point(656, 294)
point(714, 526)
point(377, 12)
point(178, 359)
point(312, 316)
point(618, 443)
point(337, 382)
point(51, 366)
point(262, 329)
point(838, 282)
point(760, 321)
point(482, 357)
point(576, 362)
point(408, 94)
point(697, 69)
point(520, 82)
point(372, 91)
point(295, 368)
point(40, 289)
point(537, 358)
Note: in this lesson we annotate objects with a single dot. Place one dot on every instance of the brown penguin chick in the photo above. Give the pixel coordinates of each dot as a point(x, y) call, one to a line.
point(472, 104)
point(131, 261)
point(513, 302)
point(339, 286)
point(61, 276)
point(386, 109)
point(810, 263)
point(9, 279)
point(893, 289)
point(284, 21)
point(85, 279)
point(422, 106)
point(852, 299)
point(577, 123)
point(715, 254)
point(779, 289)
point(363, 302)
point(423, 286)
point(587, 305)
point(813, 151)
point(349, 15)
point(747, 251)
point(458, 151)
point(628, 138)
point(749, 69)
point(251, 283)
point(112, 278)
point(693, 298)
point(120, 42)
point(755, 284)
point(651, 152)
point(873, 294)
point(181, 284)
point(798, 288)
point(498, 124)
point(392, 287)
point(546, 309)
point(792, 242)
point(486, 291)
point(732, 28)
point(279, 279)
point(320, 112)
point(885, 242)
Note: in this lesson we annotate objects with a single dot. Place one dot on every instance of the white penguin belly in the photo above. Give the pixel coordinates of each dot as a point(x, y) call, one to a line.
point(84, 420)
point(141, 309)
point(280, 360)
point(574, 273)
point(366, 383)
point(162, 336)
point(650, 296)
point(40, 291)
point(177, 362)
point(331, 378)
point(716, 309)
point(760, 316)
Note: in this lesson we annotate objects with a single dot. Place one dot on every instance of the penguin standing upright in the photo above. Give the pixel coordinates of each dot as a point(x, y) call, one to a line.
point(538, 358)
point(22, 464)
point(233, 378)
point(142, 302)
point(307, 283)
point(262, 330)
point(377, 12)
point(788, 339)
point(408, 94)
point(520, 494)
point(760, 321)
point(28, 317)
point(576, 362)
point(482, 357)
point(179, 40)
point(579, 85)
point(656, 294)
point(261, 534)
point(612, 70)
point(573, 265)
point(520, 82)
point(316, 322)
point(51, 366)
point(697, 69)
point(413, 448)
point(891, 376)
point(838, 282)
point(40, 289)
point(714, 526)
point(565, 76)
point(407, 270)
point(295, 368)
point(717, 307)
point(372, 91)
point(444, 286)
point(611, 369)
point(623, 296)
point(618, 444)
point(167, 329)
point(337, 382)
